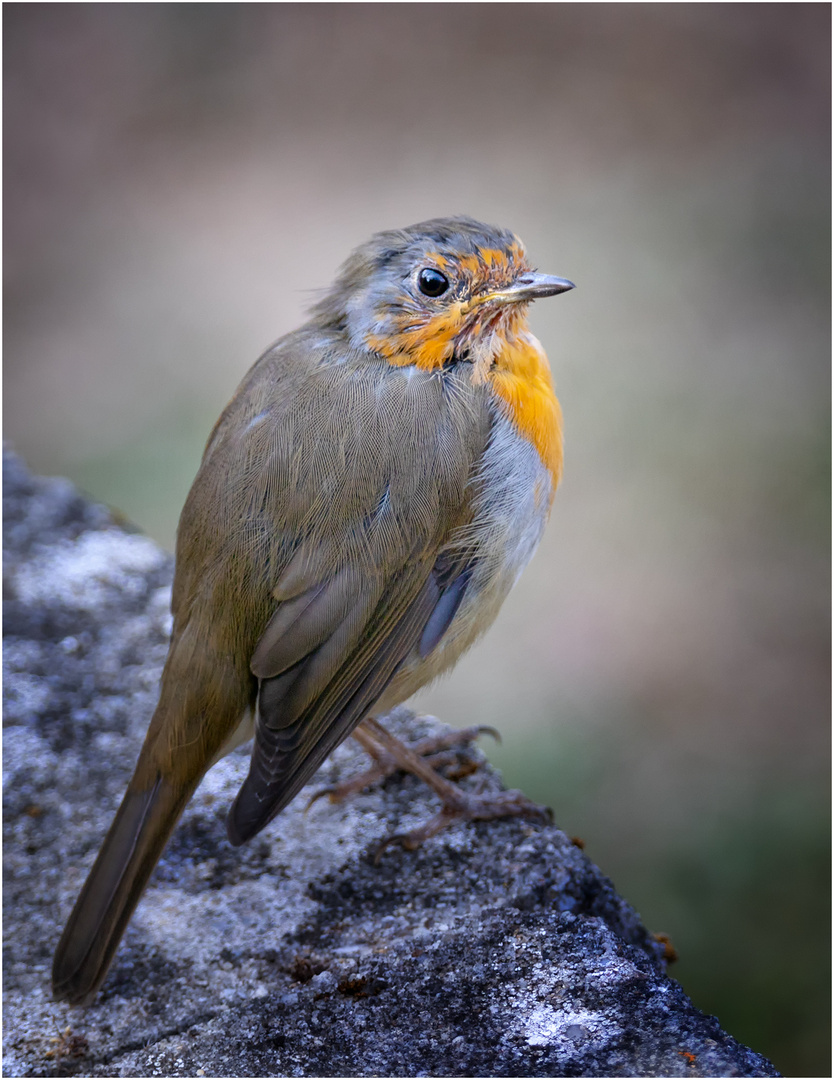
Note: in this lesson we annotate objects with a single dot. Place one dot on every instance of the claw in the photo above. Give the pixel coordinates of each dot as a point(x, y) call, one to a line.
point(318, 795)
point(384, 845)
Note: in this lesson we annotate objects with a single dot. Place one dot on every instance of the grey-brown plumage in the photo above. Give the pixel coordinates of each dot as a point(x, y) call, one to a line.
point(346, 537)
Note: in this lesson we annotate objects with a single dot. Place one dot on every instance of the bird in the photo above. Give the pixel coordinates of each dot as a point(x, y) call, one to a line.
point(364, 505)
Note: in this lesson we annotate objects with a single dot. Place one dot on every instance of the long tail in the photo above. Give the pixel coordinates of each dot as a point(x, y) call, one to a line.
point(130, 851)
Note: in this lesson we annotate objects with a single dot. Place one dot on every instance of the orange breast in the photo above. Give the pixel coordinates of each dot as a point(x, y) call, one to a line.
point(521, 379)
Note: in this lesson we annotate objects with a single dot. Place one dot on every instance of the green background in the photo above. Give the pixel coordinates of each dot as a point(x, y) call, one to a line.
point(181, 178)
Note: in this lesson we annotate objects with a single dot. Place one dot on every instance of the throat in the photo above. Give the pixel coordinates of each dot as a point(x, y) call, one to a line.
point(458, 333)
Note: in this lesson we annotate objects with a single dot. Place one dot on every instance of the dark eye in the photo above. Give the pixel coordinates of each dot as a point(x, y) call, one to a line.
point(431, 282)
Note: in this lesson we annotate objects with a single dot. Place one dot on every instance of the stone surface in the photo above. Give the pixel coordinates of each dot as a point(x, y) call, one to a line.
point(496, 949)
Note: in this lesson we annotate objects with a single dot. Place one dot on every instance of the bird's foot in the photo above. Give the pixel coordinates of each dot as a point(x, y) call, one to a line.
point(470, 806)
point(424, 759)
point(447, 752)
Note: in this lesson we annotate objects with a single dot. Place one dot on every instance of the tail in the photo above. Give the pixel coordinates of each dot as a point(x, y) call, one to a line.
point(112, 890)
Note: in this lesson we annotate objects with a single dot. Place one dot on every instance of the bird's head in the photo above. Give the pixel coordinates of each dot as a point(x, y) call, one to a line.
point(443, 290)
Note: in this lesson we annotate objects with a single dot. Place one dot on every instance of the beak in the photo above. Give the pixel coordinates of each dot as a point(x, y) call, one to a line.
point(530, 286)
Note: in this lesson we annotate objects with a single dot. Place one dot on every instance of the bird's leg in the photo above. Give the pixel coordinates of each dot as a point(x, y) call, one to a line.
point(390, 754)
point(446, 751)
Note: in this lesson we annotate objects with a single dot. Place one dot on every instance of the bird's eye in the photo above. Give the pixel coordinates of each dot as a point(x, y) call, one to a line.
point(431, 282)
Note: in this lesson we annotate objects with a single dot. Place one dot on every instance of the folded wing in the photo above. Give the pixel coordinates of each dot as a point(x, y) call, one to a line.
point(325, 658)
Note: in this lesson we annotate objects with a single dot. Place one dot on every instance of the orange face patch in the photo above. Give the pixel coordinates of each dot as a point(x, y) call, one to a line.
point(426, 340)
point(428, 334)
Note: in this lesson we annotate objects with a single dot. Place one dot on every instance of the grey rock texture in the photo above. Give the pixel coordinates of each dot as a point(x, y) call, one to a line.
point(496, 950)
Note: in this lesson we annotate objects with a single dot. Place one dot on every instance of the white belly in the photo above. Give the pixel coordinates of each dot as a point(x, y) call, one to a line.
point(510, 515)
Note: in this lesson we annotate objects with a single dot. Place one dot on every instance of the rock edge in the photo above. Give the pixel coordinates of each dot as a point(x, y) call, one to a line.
point(496, 950)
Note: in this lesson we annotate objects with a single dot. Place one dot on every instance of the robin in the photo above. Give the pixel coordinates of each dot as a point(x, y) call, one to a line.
point(365, 503)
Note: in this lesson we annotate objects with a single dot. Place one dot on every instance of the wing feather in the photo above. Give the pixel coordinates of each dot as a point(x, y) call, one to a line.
point(289, 744)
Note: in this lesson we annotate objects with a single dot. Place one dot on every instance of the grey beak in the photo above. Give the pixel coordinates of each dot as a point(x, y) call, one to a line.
point(531, 286)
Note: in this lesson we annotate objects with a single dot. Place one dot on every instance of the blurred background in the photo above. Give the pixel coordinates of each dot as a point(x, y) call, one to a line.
point(181, 178)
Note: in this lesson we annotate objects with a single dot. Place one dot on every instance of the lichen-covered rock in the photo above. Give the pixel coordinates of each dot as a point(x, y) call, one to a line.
point(496, 949)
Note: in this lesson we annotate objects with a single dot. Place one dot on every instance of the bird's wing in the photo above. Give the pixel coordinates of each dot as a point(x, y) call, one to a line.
point(319, 543)
point(324, 659)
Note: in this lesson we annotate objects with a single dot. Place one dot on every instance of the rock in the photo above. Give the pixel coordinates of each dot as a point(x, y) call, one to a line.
point(497, 949)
